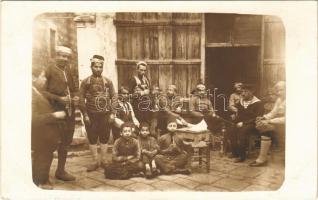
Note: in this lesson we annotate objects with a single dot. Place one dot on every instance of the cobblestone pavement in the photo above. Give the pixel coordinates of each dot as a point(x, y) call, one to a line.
point(225, 175)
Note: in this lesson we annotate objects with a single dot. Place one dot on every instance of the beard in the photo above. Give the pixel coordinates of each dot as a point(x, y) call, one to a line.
point(97, 73)
point(61, 63)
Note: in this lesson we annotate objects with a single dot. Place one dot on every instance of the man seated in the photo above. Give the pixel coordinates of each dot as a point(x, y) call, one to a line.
point(235, 99)
point(125, 157)
point(249, 108)
point(169, 105)
point(269, 122)
point(200, 107)
point(172, 157)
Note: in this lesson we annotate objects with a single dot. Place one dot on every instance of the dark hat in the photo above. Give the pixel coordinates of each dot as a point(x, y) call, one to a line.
point(98, 57)
point(249, 87)
point(171, 119)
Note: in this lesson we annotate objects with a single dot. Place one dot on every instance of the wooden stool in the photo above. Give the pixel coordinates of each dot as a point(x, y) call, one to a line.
point(200, 145)
point(201, 153)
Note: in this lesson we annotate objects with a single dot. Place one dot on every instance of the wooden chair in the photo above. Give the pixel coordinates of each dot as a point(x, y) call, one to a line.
point(200, 147)
point(201, 154)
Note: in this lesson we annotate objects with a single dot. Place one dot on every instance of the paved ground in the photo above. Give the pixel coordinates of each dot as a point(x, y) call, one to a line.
point(224, 176)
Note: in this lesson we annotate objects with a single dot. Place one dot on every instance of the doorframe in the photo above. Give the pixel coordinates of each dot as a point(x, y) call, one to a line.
point(203, 46)
point(260, 63)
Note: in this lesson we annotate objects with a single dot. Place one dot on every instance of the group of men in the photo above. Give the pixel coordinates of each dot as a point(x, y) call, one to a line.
point(55, 98)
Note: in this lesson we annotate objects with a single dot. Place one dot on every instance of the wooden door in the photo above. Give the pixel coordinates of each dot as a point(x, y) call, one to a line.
point(168, 42)
point(273, 53)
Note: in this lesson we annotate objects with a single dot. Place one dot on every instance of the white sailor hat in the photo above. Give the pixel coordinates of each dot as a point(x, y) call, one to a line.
point(200, 86)
point(141, 63)
point(63, 49)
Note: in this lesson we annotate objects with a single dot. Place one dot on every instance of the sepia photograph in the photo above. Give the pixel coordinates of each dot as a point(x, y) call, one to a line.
point(146, 101)
point(158, 100)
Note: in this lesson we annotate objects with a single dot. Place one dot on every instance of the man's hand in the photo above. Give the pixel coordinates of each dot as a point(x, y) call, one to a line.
point(233, 116)
point(178, 109)
point(111, 118)
point(239, 125)
point(59, 114)
point(130, 157)
point(87, 121)
point(260, 118)
point(64, 100)
point(146, 91)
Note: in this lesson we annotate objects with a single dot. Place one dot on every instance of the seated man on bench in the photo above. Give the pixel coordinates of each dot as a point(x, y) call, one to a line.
point(268, 123)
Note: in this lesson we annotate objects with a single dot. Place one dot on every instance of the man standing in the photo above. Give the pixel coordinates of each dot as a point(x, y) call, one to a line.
point(139, 86)
point(249, 108)
point(45, 132)
point(61, 91)
point(96, 93)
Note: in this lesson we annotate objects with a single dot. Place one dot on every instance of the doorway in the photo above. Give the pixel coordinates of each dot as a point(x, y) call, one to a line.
point(226, 65)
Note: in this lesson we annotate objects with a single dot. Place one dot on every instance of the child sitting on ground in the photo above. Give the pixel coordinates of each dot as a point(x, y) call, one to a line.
point(172, 157)
point(149, 149)
point(126, 156)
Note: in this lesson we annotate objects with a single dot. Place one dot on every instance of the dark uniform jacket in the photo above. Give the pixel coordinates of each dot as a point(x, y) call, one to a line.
point(248, 115)
point(44, 127)
point(57, 82)
point(126, 147)
point(96, 95)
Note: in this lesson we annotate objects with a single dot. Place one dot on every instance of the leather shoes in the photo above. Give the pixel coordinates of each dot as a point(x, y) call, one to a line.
point(257, 164)
point(64, 176)
point(148, 174)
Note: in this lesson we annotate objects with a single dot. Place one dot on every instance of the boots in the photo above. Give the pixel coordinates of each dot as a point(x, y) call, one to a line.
point(60, 173)
point(95, 164)
point(103, 151)
point(262, 157)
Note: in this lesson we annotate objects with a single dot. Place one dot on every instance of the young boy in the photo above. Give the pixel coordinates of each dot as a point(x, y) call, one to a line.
point(124, 112)
point(126, 156)
point(172, 157)
point(149, 149)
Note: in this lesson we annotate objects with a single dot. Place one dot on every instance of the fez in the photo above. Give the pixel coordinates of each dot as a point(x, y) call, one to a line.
point(63, 49)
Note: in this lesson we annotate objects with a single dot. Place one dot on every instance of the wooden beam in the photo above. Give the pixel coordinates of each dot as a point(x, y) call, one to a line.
point(160, 62)
point(260, 67)
point(274, 61)
point(136, 23)
point(228, 44)
point(202, 68)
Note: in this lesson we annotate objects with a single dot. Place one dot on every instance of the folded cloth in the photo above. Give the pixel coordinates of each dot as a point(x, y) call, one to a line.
point(196, 128)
